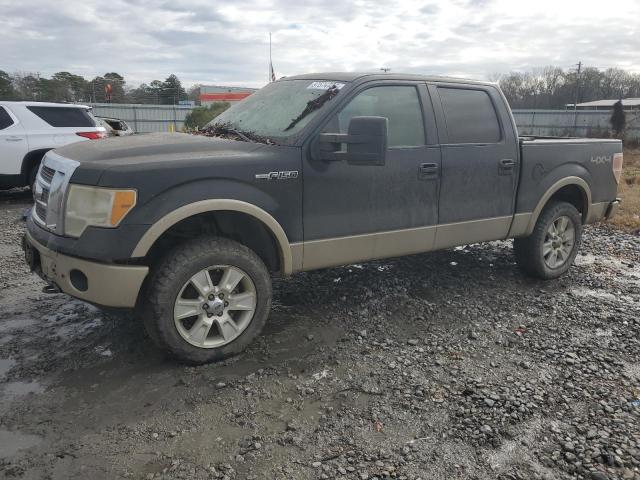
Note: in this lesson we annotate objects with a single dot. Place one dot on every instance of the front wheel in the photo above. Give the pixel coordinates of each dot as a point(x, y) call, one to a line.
point(207, 300)
point(553, 245)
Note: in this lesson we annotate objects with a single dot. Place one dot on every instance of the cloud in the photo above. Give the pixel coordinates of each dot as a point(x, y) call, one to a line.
point(227, 42)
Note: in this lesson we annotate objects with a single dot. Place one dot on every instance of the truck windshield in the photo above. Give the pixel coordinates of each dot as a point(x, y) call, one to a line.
point(279, 110)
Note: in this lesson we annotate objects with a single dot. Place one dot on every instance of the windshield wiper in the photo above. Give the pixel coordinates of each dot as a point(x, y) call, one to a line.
point(241, 135)
point(313, 105)
point(229, 131)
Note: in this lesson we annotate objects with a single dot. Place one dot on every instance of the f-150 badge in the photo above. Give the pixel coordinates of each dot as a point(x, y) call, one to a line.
point(286, 175)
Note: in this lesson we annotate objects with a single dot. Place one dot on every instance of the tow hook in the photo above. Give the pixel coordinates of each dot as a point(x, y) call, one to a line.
point(51, 289)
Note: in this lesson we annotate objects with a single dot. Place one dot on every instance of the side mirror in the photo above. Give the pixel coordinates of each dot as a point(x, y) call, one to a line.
point(366, 142)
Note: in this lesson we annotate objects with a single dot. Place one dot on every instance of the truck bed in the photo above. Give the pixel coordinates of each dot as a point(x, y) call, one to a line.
point(546, 160)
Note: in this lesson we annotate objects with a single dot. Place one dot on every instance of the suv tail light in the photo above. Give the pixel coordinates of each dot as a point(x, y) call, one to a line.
point(92, 135)
point(616, 165)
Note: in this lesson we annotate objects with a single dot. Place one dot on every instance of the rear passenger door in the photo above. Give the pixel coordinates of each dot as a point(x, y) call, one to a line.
point(479, 164)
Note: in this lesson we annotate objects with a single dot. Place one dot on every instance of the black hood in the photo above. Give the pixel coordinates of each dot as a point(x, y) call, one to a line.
point(119, 157)
point(155, 163)
point(152, 147)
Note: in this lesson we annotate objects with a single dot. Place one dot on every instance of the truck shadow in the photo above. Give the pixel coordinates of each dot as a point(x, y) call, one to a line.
point(16, 195)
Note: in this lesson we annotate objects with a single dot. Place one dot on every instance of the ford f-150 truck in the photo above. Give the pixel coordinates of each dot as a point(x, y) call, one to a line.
point(311, 171)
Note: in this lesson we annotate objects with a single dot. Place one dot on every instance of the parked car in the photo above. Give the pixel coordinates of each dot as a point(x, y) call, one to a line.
point(188, 230)
point(115, 127)
point(30, 129)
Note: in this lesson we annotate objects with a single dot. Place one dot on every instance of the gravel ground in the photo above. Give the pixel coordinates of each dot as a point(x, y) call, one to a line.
point(446, 365)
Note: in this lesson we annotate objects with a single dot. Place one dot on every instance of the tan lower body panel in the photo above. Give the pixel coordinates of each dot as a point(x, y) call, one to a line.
point(297, 252)
point(358, 248)
point(462, 233)
point(107, 285)
point(520, 225)
point(598, 211)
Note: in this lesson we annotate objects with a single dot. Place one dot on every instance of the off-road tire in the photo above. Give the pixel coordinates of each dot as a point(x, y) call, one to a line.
point(529, 250)
point(168, 278)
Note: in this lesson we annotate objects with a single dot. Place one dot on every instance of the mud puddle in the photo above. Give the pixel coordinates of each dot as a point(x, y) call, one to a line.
point(12, 442)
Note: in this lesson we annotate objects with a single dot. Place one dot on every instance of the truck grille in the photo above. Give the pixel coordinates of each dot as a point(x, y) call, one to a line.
point(41, 195)
point(51, 184)
point(41, 211)
point(47, 173)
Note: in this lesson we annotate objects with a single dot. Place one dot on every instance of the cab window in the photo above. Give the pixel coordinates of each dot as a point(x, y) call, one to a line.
point(469, 115)
point(399, 104)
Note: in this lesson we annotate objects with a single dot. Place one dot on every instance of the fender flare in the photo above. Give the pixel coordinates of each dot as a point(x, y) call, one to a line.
point(578, 182)
point(212, 205)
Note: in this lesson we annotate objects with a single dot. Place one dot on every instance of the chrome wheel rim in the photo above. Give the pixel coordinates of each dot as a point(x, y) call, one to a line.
point(558, 242)
point(215, 306)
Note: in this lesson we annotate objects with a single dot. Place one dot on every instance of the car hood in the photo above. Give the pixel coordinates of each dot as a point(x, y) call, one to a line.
point(116, 159)
point(152, 148)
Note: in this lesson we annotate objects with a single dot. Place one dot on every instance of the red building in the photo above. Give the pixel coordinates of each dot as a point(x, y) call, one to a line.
point(210, 94)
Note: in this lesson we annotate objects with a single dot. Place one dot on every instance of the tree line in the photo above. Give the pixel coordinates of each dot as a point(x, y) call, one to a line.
point(548, 87)
point(110, 87)
point(554, 87)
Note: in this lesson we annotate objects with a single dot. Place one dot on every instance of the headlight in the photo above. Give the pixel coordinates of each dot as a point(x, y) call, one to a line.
point(97, 207)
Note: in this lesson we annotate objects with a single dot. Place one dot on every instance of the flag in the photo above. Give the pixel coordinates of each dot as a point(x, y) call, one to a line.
point(273, 74)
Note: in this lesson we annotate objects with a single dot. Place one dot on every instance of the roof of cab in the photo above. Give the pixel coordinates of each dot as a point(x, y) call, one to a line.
point(359, 76)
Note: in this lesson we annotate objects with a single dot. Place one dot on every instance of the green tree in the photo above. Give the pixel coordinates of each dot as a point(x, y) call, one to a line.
point(96, 88)
point(117, 83)
point(193, 94)
point(27, 86)
point(7, 92)
point(200, 116)
point(69, 87)
point(172, 91)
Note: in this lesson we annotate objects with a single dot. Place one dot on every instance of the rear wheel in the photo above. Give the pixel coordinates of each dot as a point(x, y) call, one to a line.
point(553, 245)
point(207, 300)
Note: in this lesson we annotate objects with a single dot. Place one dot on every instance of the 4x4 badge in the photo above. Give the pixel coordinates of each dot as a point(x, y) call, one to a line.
point(286, 175)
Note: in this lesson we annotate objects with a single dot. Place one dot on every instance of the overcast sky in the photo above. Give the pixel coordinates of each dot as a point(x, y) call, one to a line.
point(227, 42)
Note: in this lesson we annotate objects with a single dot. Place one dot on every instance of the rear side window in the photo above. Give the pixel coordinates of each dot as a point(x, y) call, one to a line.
point(470, 116)
point(64, 116)
point(399, 104)
point(5, 119)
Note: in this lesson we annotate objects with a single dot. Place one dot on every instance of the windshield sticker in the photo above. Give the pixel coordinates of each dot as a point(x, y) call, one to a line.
point(324, 85)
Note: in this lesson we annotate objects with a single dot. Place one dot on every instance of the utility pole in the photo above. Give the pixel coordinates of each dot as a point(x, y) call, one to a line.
point(271, 72)
point(575, 103)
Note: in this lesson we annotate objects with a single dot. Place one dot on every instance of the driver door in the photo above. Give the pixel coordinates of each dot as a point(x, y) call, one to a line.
point(360, 212)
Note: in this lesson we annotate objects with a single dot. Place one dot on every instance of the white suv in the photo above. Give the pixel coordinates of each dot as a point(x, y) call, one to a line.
point(29, 129)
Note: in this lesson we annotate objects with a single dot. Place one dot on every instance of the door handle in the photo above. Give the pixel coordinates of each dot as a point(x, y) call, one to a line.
point(507, 163)
point(506, 166)
point(428, 170)
point(14, 139)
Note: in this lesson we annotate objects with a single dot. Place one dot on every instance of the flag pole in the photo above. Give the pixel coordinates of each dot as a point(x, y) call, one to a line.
point(270, 63)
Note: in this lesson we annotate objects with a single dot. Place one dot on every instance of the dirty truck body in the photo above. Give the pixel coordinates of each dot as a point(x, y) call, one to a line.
point(310, 172)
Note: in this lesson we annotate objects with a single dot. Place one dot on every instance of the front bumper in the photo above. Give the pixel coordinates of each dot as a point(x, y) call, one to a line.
point(103, 284)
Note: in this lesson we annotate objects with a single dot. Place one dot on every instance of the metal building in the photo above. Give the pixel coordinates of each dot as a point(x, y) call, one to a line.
point(627, 104)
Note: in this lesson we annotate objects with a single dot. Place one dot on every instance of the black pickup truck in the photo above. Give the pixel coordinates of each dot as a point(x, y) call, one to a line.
point(310, 172)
